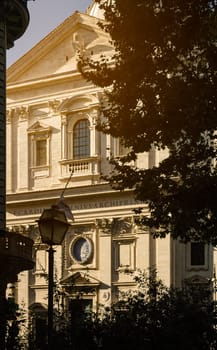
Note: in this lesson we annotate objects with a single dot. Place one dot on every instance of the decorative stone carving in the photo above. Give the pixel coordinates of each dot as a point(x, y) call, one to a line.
point(93, 117)
point(104, 225)
point(122, 226)
point(116, 226)
point(23, 113)
point(64, 119)
point(77, 43)
point(106, 296)
point(53, 105)
point(9, 115)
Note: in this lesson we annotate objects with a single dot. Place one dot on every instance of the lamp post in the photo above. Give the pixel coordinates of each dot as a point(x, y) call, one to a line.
point(53, 226)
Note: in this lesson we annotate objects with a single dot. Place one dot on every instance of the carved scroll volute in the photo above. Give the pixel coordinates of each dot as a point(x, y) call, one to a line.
point(115, 226)
point(22, 113)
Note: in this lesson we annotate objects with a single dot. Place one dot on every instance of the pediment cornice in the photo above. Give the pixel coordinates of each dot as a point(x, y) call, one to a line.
point(38, 127)
point(72, 24)
point(80, 279)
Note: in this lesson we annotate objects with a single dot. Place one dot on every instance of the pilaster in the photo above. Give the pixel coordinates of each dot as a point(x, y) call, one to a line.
point(64, 136)
point(22, 146)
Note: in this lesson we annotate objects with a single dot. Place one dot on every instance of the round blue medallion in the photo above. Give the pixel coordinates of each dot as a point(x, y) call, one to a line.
point(81, 250)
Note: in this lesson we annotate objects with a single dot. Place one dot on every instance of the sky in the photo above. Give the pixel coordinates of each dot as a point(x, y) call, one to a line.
point(45, 15)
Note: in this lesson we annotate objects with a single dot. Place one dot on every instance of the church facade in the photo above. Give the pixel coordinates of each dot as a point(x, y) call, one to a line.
point(53, 148)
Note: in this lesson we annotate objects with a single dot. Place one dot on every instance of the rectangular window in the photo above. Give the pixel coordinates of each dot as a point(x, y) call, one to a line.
point(41, 152)
point(197, 254)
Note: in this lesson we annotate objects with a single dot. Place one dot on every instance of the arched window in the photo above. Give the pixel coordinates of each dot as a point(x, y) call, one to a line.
point(81, 139)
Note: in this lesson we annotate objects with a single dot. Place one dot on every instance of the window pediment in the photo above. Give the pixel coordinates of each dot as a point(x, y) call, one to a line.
point(38, 127)
point(79, 279)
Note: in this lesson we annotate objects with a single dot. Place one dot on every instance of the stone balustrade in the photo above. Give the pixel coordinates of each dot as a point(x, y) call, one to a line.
point(81, 167)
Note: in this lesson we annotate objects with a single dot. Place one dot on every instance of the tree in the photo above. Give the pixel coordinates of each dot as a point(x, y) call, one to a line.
point(16, 330)
point(156, 317)
point(161, 91)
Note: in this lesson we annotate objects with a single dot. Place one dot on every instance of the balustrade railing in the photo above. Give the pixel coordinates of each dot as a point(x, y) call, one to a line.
point(81, 167)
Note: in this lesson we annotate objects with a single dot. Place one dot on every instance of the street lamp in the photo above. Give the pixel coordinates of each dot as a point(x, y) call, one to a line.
point(53, 226)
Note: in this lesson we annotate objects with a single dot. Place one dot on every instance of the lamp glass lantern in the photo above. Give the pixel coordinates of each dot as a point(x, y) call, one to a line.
point(53, 226)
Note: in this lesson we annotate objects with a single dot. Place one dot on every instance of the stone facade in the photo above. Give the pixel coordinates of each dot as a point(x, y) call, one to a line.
point(50, 108)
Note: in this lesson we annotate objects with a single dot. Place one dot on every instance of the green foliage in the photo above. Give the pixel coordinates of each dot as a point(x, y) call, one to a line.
point(161, 91)
point(156, 317)
point(15, 327)
point(149, 317)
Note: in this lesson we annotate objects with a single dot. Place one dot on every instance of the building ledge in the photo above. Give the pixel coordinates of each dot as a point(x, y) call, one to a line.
point(16, 253)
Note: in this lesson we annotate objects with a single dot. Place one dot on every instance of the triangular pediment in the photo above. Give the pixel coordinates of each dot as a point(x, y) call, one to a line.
point(57, 53)
point(80, 280)
point(38, 127)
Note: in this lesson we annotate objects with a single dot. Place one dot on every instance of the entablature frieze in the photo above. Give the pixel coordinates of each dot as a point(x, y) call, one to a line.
point(64, 107)
point(18, 207)
point(26, 112)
